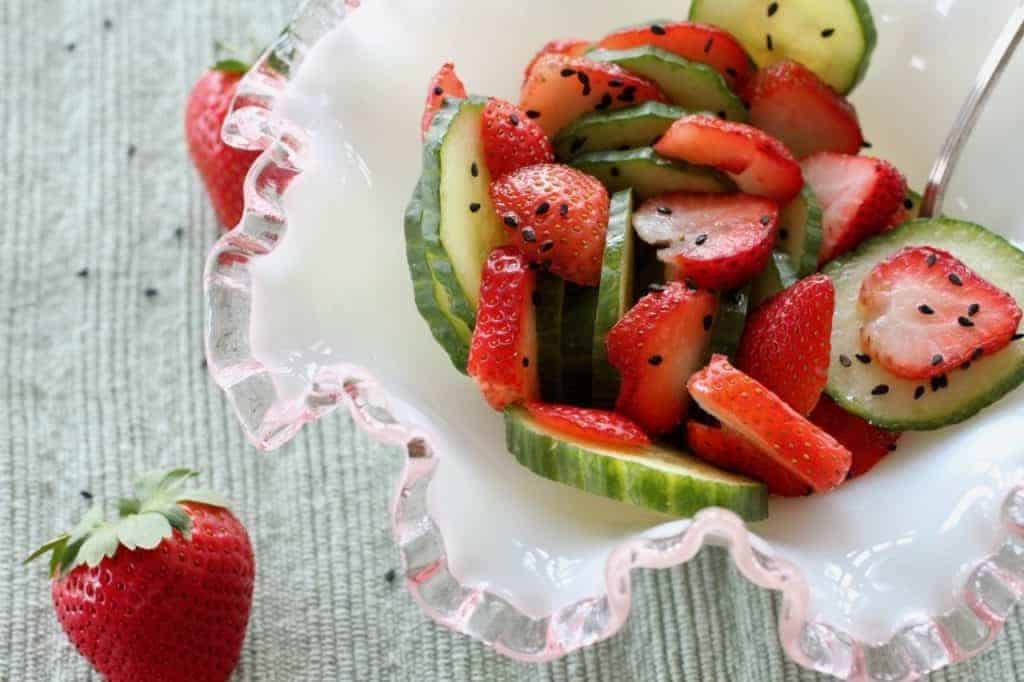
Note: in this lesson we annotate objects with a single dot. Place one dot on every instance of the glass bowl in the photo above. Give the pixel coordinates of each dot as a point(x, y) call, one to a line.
point(310, 308)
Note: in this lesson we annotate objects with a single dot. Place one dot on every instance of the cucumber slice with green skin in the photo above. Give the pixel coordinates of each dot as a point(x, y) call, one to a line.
point(730, 320)
point(578, 317)
point(800, 232)
point(457, 240)
point(549, 302)
point(431, 299)
point(614, 295)
point(650, 174)
point(778, 276)
point(833, 39)
point(850, 383)
point(637, 126)
point(657, 478)
point(689, 84)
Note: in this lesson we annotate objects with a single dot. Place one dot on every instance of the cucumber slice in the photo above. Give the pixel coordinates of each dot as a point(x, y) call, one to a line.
point(578, 317)
point(649, 268)
point(650, 174)
point(730, 320)
point(968, 392)
point(637, 126)
point(800, 232)
point(457, 240)
point(657, 478)
point(778, 276)
point(833, 39)
point(689, 84)
point(615, 295)
point(549, 301)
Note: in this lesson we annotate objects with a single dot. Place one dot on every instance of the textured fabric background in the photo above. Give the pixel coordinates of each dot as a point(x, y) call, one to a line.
point(99, 381)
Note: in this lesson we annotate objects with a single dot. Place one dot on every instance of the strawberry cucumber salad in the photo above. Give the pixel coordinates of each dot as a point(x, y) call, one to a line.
point(673, 270)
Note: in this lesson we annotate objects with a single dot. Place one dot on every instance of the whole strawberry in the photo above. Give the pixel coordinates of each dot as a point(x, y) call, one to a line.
point(221, 166)
point(164, 592)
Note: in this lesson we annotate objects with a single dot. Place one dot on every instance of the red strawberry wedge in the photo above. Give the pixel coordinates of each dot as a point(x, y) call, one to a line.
point(730, 451)
point(772, 426)
point(756, 161)
point(560, 89)
point(695, 42)
point(789, 101)
point(787, 341)
point(656, 346)
point(445, 83)
point(923, 313)
point(868, 444)
point(512, 139)
point(558, 217)
point(713, 240)
point(594, 426)
point(859, 196)
point(571, 47)
point(503, 352)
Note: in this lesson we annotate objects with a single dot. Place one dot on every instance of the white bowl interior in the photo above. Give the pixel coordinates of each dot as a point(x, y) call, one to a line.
point(890, 547)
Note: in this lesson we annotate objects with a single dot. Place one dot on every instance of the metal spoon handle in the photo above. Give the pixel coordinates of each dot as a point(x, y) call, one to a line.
point(991, 70)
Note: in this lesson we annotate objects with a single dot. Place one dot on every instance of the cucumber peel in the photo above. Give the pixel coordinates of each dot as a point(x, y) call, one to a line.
point(549, 300)
point(801, 232)
point(615, 294)
point(578, 315)
point(778, 276)
point(638, 126)
point(650, 174)
point(730, 320)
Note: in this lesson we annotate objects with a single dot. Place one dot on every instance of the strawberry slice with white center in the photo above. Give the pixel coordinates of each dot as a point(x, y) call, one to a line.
point(757, 162)
point(789, 101)
point(730, 451)
point(503, 352)
point(770, 425)
point(511, 139)
point(445, 83)
point(867, 443)
point(599, 427)
point(559, 89)
point(572, 47)
point(787, 341)
point(695, 42)
point(713, 240)
point(859, 196)
point(924, 313)
point(656, 346)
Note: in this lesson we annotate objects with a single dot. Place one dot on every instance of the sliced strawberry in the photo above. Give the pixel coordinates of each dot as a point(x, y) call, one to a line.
point(503, 352)
point(696, 42)
point(789, 101)
point(445, 83)
point(560, 89)
point(512, 139)
point(730, 451)
point(771, 425)
point(756, 161)
point(787, 341)
point(572, 47)
point(558, 217)
point(594, 426)
point(858, 195)
point(714, 240)
point(924, 313)
point(656, 346)
point(868, 444)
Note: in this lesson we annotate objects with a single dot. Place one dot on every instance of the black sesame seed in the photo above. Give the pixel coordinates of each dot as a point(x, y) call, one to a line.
point(973, 309)
point(547, 246)
point(529, 235)
point(513, 119)
point(530, 113)
point(766, 220)
point(783, 235)
point(83, 273)
point(966, 366)
point(893, 446)
point(108, 24)
point(474, 170)
point(965, 321)
point(828, 33)
point(976, 355)
point(511, 221)
point(526, 362)
point(179, 232)
point(708, 320)
point(131, 150)
point(474, 207)
point(845, 361)
point(865, 359)
point(583, 77)
point(908, 203)
point(536, 298)
point(202, 363)
point(880, 389)
point(936, 384)
point(658, 30)
point(86, 494)
point(438, 90)
point(390, 576)
point(690, 284)
point(768, 42)
point(701, 239)
point(577, 144)
point(773, 8)
point(655, 360)
point(722, 115)
point(616, 172)
point(708, 45)
point(566, 73)
point(664, 210)
point(1015, 337)
point(932, 259)
point(937, 359)
point(943, 381)
point(919, 392)
point(70, 47)
point(925, 309)
point(628, 94)
point(606, 101)
point(732, 72)
point(543, 208)
point(151, 292)
point(866, 145)
point(955, 279)
point(563, 209)
point(615, 83)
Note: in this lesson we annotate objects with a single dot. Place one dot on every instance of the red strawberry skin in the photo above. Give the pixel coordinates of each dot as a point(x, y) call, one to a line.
point(571, 47)
point(656, 346)
point(503, 351)
point(716, 241)
point(787, 342)
point(772, 426)
point(730, 451)
point(511, 139)
point(790, 102)
point(222, 167)
point(444, 83)
point(924, 313)
point(695, 42)
point(557, 217)
point(859, 197)
point(868, 444)
point(756, 161)
point(177, 613)
point(593, 426)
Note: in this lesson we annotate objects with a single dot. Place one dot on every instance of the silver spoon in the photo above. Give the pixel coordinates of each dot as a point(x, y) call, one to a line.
point(991, 70)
